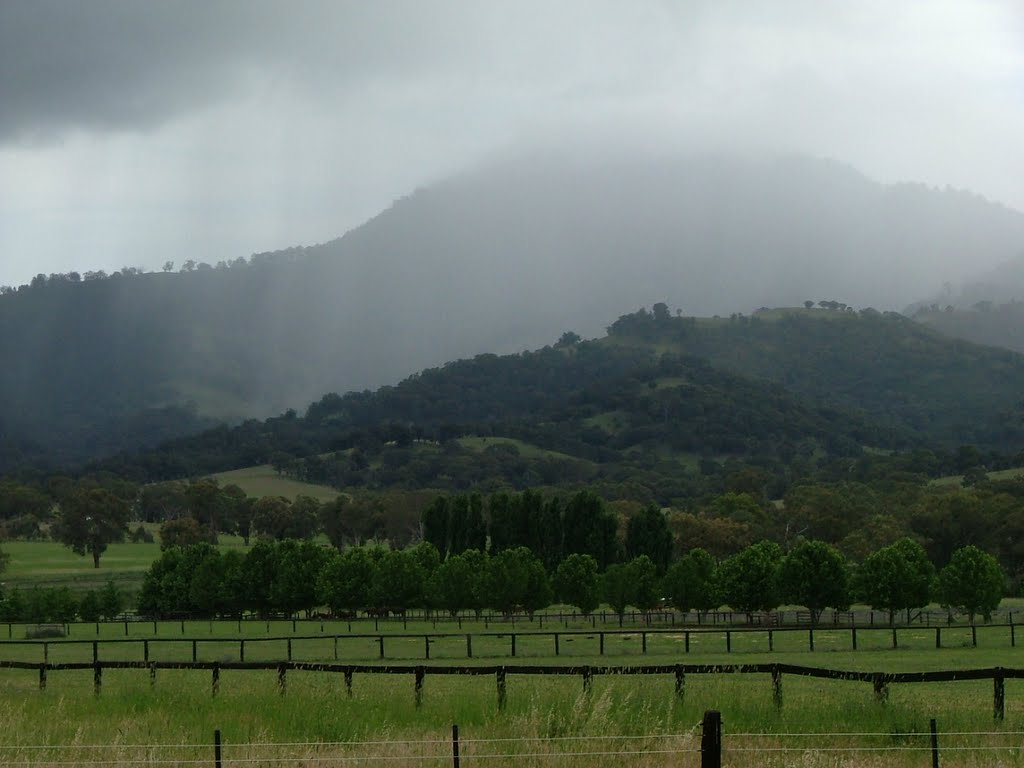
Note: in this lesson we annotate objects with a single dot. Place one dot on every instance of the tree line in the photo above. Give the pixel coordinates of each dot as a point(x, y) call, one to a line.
point(289, 577)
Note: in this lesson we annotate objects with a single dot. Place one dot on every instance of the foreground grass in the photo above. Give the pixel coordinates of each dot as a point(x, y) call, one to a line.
point(544, 717)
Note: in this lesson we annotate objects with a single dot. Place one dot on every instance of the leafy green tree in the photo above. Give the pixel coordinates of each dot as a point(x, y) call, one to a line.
point(456, 585)
point(183, 532)
point(344, 583)
point(278, 518)
point(298, 566)
point(691, 582)
point(815, 575)
point(647, 534)
point(646, 584)
point(206, 590)
point(749, 580)
point(398, 581)
point(617, 588)
point(207, 505)
point(112, 601)
point(90, 520)
point(517, 579)
point(577, 582)
point(426, 555)
point(972, 583)
point(5, 559)
point(89, 606)
point(895, 578)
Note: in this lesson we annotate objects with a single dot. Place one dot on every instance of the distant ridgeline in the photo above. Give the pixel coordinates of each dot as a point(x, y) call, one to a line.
point(663, 408)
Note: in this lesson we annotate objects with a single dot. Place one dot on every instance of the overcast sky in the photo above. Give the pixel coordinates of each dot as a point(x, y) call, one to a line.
point(135, 132)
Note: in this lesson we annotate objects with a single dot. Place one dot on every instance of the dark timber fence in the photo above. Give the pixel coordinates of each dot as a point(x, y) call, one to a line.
point(132, 624)
point(880, 681)
point(546, 642)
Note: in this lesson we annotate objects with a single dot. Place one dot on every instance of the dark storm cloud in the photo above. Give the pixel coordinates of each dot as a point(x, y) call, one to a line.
point(125, 64)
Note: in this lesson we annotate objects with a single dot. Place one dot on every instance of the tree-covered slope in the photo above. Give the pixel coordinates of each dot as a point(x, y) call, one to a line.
point(886, 367)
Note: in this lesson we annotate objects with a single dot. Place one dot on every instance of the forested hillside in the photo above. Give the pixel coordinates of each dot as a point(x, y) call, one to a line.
point(499, 260)
point(652, 411)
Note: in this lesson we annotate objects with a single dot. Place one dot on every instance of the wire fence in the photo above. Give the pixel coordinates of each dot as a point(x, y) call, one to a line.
point(708, 744)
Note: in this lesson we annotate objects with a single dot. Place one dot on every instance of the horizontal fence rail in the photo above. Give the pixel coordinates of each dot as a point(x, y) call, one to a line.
point(880, 681)
point(501, 644)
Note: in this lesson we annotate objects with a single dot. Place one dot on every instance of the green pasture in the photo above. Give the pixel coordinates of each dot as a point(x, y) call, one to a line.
point(50, 564)
point(263, 480)
point(546, 718)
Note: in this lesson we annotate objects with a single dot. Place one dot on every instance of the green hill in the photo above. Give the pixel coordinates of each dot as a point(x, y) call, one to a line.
point(672, 407)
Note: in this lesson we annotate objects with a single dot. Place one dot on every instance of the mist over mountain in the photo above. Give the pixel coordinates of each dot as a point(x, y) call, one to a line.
point(501, 259)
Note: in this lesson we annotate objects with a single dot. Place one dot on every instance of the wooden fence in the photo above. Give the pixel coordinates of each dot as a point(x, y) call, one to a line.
point(515, 640)
point(880, 681)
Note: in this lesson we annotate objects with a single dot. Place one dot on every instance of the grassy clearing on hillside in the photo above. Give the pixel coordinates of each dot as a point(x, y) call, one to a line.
point(526, 450)
point(262, 480)
point(1002, 474)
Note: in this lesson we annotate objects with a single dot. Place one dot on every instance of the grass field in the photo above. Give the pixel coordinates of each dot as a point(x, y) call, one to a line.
point(545, 721)
point(1002, 474)
point(262, 480)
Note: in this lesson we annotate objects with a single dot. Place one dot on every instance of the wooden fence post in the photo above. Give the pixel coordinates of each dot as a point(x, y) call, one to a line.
point(513, 636)
point(95, 652)
point(938, 637)
point(215, 681)
point(499, 678)
point(810, 639)
point(42, 676)
point(348, 682)
point(418, 685)
point(380, 640)
point(426, 646)
point(771, 640)
point(881, 686)
point(455, 746)
point(241, 650)
point(588, 676)
point(556, 644)
point(853, 637)
point(152, 674)
point(289, 649)
point(711, 740)
point(469, 646)
point(194, 651)
point(216, 749)
point(97, 677)
point(282, 670)
point(935, 743)
point(777, 687)
point(998, 695)
point(728, 641)
point(643, 642)
point(601, 642)
point(680, 683)
point(974, 636)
